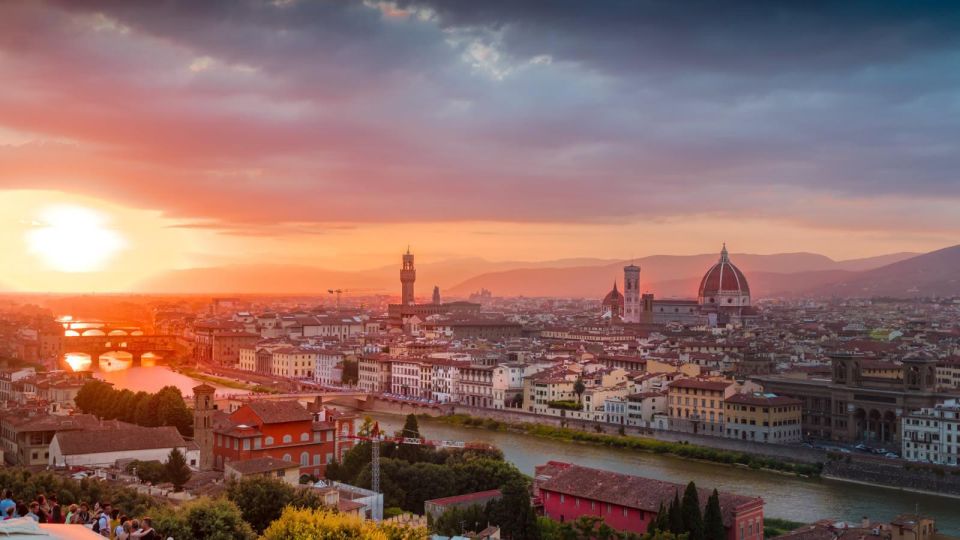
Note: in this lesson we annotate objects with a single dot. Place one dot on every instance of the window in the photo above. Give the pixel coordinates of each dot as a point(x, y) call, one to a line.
point(304, 437)
point(316, 459)
point(246, 444)
point(286, 457)
point(304, 459)
point(268, 441)
point(256, 443)
point(317, 436)
point(287, 438)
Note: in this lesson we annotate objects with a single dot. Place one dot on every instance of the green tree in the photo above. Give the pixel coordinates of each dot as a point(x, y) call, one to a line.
point(202, 519)
point(366, 427)
point(513, 512)
point(411, 428)
point(713, 519)
point(176, 470)
point(456, 521)
point(661, 522)
point(152, 472)
point(690, 511)
point(262, 499)
point(675, 515)
point(579, 388)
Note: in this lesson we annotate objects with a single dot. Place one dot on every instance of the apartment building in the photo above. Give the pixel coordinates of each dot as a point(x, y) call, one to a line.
point(762, 417)
point(931, 434)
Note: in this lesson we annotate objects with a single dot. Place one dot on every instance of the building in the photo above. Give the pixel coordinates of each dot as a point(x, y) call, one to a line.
point(283, 430)
point(631, 294)
point(764, 418)
point(398, 314)
point(435, 508)
point(329, 367)
point(26, 434)
point(630, 503)
point(293, 363)
point(270, 467)
point(932, 434)
point(723, 297)
point(476, 386)
point(696, 405)
point(411, 377)
point(203, 423)
point(373, 373)
point(612, 305)
point(408, 275)
point(635, 410)
point(851, 407)
point(103, 448)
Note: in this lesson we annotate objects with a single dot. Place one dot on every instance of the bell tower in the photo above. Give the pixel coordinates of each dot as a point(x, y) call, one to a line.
point(408, 275)
point(631, 294)
point(203, 408)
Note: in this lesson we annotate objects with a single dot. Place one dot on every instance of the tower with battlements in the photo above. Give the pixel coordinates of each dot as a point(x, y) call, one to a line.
point(408, 275)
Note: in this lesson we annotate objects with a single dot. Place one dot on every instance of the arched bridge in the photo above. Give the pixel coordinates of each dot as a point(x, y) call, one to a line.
point(136, 346)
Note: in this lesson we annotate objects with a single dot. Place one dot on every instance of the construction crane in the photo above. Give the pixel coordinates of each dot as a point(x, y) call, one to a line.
point(338, 292)
point(376, 437)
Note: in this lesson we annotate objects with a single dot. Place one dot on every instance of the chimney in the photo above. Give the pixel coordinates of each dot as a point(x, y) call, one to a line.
point(865, 522)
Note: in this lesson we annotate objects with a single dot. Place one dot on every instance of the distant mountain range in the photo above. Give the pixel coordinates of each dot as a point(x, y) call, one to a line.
point(784, 274)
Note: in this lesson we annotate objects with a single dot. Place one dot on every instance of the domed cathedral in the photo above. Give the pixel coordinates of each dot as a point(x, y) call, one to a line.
point(612, 307)
point(724, 290)
point(723, 298)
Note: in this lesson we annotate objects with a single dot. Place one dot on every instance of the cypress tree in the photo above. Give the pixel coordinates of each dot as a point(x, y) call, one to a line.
point(690, 512)
point(713, 519)
point(674, 515)
point(659, 522)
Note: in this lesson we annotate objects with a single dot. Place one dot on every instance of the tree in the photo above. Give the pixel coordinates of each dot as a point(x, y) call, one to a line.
point(366, 428)
point(411, 428)
point(176, 469)
point(202, 519)
point(713, 519)
point(152, 472)
point(319, 524)
point(456, 521)
point(513, 512)
point(690, 511)
point(579, 388)
point(675, 516)
point(262, 499)
point(661, 522)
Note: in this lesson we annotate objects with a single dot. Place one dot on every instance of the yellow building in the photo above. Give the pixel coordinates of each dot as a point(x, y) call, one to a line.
point(696, 405)
point(763, 417)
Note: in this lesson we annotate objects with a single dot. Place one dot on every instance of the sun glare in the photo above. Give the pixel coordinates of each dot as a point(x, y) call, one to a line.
point(74, 239)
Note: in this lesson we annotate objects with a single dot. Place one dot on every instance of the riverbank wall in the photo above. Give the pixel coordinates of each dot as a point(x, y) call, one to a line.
point(797, 454)
point(893, 475)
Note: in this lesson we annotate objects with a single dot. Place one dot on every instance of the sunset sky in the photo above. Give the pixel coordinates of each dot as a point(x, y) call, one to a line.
point(139, 137)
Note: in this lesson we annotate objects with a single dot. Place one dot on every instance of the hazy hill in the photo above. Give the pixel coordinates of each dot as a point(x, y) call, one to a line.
point(671, 275)
point(932, 274)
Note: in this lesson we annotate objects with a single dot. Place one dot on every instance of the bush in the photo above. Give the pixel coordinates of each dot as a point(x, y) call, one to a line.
point(569, 405)
point(202, 519)
point(303, 524)
point(261, 499)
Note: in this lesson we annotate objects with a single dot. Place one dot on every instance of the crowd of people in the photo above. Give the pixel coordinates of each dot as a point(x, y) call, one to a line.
point(103, 519)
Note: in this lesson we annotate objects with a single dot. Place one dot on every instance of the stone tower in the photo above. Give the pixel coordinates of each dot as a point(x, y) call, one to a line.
point(436, 294)
point(203, 408)
point(408, 275)
point(631, 294)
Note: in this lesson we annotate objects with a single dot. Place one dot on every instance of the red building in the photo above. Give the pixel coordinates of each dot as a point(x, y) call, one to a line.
point(630, 503)
point(282, 430)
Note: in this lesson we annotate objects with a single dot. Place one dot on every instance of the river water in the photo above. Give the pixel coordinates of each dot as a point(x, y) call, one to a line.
point(786, 497)
point(150, 378)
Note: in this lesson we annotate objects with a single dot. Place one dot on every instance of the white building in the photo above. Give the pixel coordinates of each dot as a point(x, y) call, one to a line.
point(104, 448)
point(930, 435)
point(327, 372)
point(411, 377)
point(508, 384)
point(636, 410)
point(446, 380)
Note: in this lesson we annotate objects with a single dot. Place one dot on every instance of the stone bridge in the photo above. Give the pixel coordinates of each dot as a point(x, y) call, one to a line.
point(135, 345)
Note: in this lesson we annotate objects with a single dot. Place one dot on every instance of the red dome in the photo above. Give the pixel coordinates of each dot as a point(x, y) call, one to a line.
point(723, 278)
point(613, 296)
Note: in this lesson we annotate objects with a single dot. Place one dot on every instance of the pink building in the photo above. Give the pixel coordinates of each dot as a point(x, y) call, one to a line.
point(630, 503)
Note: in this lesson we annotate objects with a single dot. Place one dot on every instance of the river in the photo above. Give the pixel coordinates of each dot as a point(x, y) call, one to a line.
point(788, 497)
point(151, 378)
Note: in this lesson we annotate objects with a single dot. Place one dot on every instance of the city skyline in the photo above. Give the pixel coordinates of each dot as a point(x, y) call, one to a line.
point(334, 134)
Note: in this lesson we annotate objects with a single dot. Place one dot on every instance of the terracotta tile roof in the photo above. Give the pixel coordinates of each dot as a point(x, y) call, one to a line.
point(261, 465)
point(630, 491)
point(278, 412)
point(119, 440)
point(479, 496)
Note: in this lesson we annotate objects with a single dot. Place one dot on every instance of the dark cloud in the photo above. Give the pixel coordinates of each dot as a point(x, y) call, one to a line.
point(494, 110)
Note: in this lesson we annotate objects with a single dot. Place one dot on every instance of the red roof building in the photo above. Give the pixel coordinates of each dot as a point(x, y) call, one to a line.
point(630, 503)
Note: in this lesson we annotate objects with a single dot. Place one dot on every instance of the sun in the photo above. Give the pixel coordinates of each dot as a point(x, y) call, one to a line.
point(73, 239)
